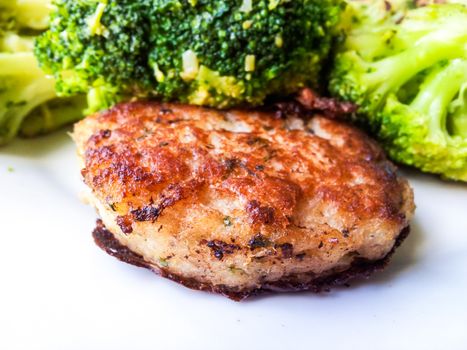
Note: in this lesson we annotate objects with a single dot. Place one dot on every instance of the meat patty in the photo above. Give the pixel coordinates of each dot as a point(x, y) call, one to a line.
point(240, 201)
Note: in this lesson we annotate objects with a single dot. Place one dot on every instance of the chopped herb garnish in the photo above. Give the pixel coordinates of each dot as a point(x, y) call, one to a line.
point(234, 269)
point(228, 221)
point(259, 241)
point(163, 262)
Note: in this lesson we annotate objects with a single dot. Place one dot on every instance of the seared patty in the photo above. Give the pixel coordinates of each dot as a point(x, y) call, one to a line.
point(241, 201)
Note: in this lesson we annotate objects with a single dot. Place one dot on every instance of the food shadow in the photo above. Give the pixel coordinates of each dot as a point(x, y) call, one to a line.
point(38, 147)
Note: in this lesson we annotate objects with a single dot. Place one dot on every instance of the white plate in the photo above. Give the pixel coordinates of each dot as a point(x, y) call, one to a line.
point(59, 291)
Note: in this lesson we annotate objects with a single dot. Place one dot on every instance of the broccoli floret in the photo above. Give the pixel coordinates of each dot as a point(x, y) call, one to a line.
point(263, 47)
point(205, 52)
point(406, 67)
point(99, 48)
point(24, 89)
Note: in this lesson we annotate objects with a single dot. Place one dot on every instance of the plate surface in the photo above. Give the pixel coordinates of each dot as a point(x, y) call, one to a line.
point(59, 291)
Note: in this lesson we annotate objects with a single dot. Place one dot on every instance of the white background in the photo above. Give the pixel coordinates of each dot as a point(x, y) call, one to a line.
point(59, 291)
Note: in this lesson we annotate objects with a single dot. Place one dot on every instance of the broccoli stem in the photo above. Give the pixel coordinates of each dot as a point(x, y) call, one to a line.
point(32, 14)
point(438, 91)
point(26, 88)
point(19, 64)
point(408, 73)
point(38, 91)
point(457, 123)
point(26, 93)
point(12, 42)
point(53, 115)
point(391, 73)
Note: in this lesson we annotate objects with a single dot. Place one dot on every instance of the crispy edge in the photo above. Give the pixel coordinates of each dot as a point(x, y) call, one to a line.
point(362, 268)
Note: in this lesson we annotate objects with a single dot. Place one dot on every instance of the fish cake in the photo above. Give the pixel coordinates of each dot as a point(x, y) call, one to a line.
point(241, 201)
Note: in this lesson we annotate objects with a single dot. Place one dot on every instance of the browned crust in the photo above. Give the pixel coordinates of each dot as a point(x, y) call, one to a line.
point(137, 161)
point(360, 268)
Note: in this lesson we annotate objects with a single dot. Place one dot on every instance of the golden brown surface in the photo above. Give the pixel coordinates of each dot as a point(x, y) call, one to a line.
point(241, 198)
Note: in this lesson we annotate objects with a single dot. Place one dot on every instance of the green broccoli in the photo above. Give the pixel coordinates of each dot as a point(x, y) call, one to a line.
point(406, 67)
point(25, 14)
point(99, 48)
point(205, 52)
point(26, 93)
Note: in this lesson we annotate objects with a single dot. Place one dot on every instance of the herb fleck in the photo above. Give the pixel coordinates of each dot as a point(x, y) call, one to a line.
point(234, 269)
point(163, 262)
point(259, 167)
point(227, 221)
point(258, 241)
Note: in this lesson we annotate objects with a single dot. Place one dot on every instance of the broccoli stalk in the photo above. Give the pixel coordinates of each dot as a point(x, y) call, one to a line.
point(52, 115)
point(23, 87)
point(410, 83)
point(458, 122)
point(31, 14)
point(28, 101)
point(437, 93)
point(373, 81)
point(426, 141)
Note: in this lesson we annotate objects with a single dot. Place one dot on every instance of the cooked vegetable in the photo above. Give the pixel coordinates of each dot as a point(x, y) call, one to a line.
point(206, 52)
point(27, 96)
point(407, 70)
